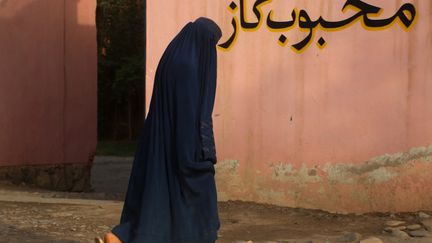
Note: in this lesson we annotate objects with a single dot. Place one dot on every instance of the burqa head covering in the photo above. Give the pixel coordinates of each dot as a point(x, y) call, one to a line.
point(188, 69)
point(171, 195)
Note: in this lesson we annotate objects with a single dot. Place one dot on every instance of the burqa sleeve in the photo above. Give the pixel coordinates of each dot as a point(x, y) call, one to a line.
point(193, 72)
point(186, 113)
point(195, 85)
point(208, 93)
point(190, 72)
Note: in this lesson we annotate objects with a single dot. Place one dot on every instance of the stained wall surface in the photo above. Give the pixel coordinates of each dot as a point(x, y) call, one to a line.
point(344, 128)
point(47, 82)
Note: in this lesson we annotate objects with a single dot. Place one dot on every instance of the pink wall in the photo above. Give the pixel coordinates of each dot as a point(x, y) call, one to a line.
point(47, 82)
point(345, 128)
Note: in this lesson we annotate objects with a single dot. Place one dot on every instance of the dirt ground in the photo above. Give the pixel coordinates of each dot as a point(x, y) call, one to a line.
point(41, 218)
point(29, 214)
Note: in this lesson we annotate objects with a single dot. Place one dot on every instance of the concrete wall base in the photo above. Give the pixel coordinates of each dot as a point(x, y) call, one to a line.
point(398, 182)
point(61, 177)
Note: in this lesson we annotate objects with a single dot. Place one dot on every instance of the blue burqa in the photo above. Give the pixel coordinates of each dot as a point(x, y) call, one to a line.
point(171, 195)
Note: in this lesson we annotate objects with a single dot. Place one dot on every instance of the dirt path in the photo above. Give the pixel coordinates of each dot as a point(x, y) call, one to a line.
point(241, 221)
point(33, 215)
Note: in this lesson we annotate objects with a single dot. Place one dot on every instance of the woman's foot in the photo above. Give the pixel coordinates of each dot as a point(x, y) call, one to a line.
point(111, 238)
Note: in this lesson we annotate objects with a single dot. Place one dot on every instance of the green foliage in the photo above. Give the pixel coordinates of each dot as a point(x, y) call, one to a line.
point(128, 79)
point(121, 49)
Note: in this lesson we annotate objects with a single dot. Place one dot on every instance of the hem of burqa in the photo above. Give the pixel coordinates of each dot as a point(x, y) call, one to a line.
point(124, 230)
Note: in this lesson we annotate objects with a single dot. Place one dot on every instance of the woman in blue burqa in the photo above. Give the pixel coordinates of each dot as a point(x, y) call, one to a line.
point(171, 196)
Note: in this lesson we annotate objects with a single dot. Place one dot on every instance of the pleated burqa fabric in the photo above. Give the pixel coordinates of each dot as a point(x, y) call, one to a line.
point(171, 196)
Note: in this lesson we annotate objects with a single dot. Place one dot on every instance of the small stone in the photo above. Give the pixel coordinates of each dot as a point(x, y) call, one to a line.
point(414, 227)
point(402, 227)
point(351, 236)
point(423, 215)
point(428, 224)
point(418, 233)
point(390, 229)
point(409, 218)
point(400, 234)
point(372, 240)
point(393, 223)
